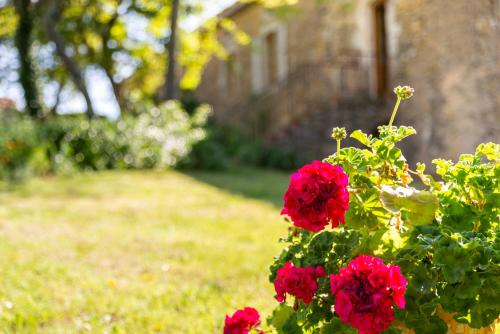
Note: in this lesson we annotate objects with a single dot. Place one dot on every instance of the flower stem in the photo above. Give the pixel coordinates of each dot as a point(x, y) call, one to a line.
point(394, 111)
point(338, 147)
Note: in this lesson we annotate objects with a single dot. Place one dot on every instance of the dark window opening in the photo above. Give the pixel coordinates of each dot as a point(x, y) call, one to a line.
point(381, 54)
point(271, 58)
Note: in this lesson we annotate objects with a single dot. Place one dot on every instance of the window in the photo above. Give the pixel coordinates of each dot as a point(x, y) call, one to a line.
point(381, 58)
point(271, 58)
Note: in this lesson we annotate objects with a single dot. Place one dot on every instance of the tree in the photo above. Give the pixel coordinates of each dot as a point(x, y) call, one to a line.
point(23, 42)
point(51, 18)
point(170, 86)
point(100, 34)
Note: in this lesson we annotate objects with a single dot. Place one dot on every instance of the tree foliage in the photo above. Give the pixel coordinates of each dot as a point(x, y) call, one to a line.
point(125, 39)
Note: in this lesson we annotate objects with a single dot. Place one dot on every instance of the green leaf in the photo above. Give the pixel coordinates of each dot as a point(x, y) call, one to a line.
point(442, 166)
point(489, 150)
point(319, 247)
point(421, 205)
point(366, 211)
point(431, 325)
point(281, 318)
point(469, 288)
point(453, 260)
point(353, 160)
point(485, 309)
point(393, 134)
point(374, 241)
point(291, 326)
point(459, 216)
point(361, 137)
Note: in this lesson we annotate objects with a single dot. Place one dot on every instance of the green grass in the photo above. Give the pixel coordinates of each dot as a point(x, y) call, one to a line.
point(137, 252)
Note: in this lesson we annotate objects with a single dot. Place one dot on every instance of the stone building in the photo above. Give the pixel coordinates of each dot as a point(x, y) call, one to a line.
point(334, 63)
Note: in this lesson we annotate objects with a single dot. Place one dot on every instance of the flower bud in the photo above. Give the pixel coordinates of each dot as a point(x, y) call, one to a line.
point(404, 92)
point(339, 133)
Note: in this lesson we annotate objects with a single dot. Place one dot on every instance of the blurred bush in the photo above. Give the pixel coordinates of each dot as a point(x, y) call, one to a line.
point(73, 143)
point(162, 136)
point(225, 146)
point(157, 138)
point(18, 140)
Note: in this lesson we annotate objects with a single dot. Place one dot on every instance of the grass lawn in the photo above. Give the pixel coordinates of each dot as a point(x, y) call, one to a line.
point(137, 252)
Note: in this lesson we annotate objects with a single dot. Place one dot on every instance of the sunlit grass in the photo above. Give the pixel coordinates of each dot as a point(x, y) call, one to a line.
point(137, 252)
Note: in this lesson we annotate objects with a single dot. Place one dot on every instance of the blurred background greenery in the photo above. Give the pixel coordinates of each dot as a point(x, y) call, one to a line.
point(107, 85)
point(91, 79)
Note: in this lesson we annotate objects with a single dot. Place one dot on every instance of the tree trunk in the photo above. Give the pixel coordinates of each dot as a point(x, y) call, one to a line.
point(170, 82)
point(117, 92)
point(27, 75)
point(50, 21)
point(107, 63)
point(58, 97)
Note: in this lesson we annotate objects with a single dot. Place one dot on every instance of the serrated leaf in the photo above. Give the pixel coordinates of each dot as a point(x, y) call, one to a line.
point(318, 248)
point(442, 166)
point(453, 260)
point(361, 137)
point(489, 150)
point(366, 211)
point(393, 134)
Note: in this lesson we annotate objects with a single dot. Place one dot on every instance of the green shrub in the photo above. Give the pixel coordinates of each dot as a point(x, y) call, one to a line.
point(224, 146)
point(80, 144)
point(157, 138)
point(18, 138)
point(164, 135)
point(284, 159)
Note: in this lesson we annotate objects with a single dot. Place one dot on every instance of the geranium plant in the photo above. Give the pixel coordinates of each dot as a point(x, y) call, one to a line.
point(375, 246)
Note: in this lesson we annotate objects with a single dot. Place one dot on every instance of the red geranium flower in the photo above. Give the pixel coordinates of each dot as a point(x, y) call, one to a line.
point(242, 321)
point(365, 291)
point(298, 282)
point(317, 194)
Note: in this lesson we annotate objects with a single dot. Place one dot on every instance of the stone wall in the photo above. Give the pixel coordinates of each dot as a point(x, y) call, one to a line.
point(447, 49)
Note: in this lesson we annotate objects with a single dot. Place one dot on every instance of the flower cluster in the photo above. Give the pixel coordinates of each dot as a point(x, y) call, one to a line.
point(339, 133)
point(404, 92)
point(242, 321)
point(317, 194)
point(297, 281)
point(365, 291)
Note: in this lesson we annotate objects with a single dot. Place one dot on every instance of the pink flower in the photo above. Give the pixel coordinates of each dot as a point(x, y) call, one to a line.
point(317, 194)
point(242, 321)
point(398, 286)
point(365, 291)
point(298, 282)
